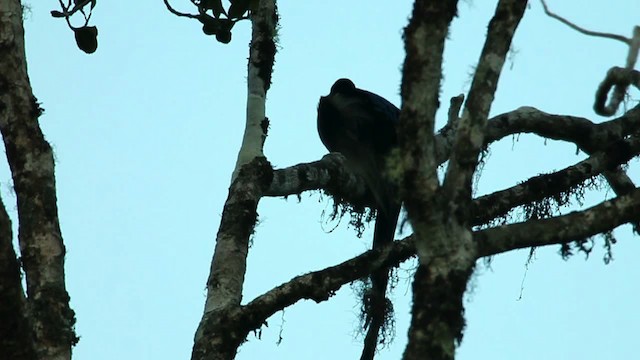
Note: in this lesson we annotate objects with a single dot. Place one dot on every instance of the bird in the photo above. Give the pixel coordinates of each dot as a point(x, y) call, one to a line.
point(362, 126)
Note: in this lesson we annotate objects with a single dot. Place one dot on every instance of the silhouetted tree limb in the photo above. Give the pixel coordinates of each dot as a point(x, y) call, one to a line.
point(499, 203)
point(215, 337)
point(561, 229)
point(321, 285)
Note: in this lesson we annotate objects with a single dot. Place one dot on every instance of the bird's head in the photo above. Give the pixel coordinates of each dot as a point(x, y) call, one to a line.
point(343, 86)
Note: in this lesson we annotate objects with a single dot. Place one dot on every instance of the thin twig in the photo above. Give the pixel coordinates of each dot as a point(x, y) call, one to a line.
point(178, 13)
point(619, 86)
point(583, 30)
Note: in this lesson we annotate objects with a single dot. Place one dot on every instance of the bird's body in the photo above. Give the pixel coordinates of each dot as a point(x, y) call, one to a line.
point(362, 127)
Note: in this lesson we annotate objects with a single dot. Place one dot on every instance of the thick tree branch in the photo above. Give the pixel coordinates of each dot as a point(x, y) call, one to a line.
point(580, 131)
point(422, 75)
point(251, 177)
point(16, 334)
point(321, 285)
point(471, 130)
point(561, 229)
point(585, 134)
point(441, 222)
point(424, 40)
point(499, 203)
point(32, 168)
point(226, 279)
point(329, 174)
point(261, 59)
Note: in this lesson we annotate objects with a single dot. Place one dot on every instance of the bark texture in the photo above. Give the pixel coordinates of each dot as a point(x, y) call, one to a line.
point(440, 216)
point(32, 168)
point(16, 336)
point(219, 335)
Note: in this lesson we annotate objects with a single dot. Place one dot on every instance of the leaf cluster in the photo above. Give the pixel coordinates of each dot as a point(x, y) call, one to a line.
point(86, 36)
point(217, 20)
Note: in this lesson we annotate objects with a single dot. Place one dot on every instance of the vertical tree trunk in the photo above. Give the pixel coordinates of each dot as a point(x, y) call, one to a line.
point(217, 337)
point(32, 167)
point(16, 337)
point(438, 313)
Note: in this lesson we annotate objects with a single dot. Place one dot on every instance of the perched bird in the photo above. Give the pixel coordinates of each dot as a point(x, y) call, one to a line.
point(362, 126)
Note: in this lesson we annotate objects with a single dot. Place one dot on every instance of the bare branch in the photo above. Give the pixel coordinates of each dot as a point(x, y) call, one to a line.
point(178, 13)
point(583, 30)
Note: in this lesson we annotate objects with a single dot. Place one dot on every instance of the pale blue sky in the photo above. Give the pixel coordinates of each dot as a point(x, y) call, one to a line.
point(146, 133)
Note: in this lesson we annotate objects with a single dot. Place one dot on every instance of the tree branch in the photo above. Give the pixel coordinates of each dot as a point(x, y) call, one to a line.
point(583, 30)
point(424, 40)
point(561, 229)
point(488, 207)
point(16, 332)
point(178, 13)
point(620, 89)
point(329, 174)
point(585, 134)
point(261, 59)
point(471, 131)
point(31, 162)
point(321, 285)
point(619, 79)
point(251, 177)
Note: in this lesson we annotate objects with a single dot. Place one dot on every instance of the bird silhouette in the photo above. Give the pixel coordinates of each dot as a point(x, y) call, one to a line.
point(362, 126)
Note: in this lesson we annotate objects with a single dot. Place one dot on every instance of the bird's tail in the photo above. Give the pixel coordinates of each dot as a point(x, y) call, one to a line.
point(376, 303)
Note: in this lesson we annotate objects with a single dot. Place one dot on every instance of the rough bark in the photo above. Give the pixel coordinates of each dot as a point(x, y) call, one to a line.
point(440, 217)
point(260, 67)
point(16, 337)
point(218, 337)
point(321, 285)
point(578, 225)
point(32, 168)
